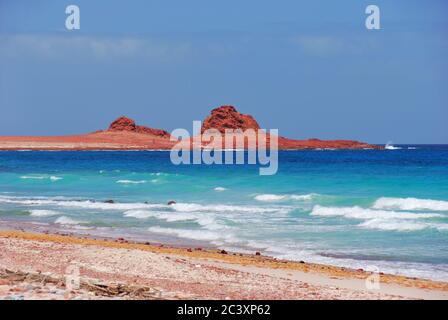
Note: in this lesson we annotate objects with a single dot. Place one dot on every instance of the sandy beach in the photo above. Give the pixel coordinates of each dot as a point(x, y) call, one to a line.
point(38, 266)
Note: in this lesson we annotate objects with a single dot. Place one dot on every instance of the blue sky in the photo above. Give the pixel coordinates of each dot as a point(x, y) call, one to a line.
point(308, 68)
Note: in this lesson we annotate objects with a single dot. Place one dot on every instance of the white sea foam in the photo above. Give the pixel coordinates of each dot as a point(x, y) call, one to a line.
point(304, 197)
point(382, 219)
point(194, 207)
point(393, 225)
point(67, 221)
point(411, 204)
point(269, 197)
point(44, 213)
point(85, 204)
point(401, 225)
point(131, 181)
point(35, 177)
point(139, 214)
point(204, 235)
point(280, 197)
point(204, 220)
point(168, 216)
point(362, 213)
point(180, 207)
point(220, 189)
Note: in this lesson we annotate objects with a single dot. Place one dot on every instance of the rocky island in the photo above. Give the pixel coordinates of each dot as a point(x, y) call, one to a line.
point(125, 134)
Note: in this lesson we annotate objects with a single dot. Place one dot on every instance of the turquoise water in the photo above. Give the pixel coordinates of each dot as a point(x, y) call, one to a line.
point(385, 209)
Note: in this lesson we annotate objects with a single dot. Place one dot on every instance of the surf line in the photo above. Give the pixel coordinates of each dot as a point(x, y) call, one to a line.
point(211, 146)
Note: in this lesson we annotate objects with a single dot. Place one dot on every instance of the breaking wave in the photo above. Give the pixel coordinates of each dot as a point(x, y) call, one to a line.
point(280, 197)
point(194, 207)
point(362, 213)
point(410, 204)
point(131, 181)
point(33, 177)
point(204, 235)
point(67, 221)
point(382, 219)
point(401, 225)
point(44, 213)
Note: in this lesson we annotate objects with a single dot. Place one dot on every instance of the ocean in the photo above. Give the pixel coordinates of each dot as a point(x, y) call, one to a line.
point(379, 210)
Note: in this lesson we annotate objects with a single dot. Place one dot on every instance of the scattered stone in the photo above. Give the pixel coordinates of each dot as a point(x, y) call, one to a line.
point(171, 202)
point(223, 251)
point(257, 253)
point(109, 201)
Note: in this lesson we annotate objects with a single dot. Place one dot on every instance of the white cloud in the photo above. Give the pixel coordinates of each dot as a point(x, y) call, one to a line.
point(328, 45)
point(318, 45)
point(61, 47)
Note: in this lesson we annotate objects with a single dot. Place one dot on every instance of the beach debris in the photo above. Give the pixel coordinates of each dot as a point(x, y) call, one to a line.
point(57, 287)
point(189, 250)
point(171, 202)
point(223, 251)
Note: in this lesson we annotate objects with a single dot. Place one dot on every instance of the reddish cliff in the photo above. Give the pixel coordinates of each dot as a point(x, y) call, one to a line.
point(126, 124)
point(227, 117)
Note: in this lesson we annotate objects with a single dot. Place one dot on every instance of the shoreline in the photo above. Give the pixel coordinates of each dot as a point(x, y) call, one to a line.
point(172, 241)
point(330, 278)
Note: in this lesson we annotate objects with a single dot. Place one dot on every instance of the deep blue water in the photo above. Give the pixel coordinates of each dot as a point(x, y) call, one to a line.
point(385, 209)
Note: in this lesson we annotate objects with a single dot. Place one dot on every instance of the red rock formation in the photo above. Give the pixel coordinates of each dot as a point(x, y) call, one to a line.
point(123, 124)
point(125, 134)
point(126, 124)
point(227, 117)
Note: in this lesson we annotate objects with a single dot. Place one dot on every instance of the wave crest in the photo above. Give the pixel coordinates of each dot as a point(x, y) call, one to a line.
point(410, 204)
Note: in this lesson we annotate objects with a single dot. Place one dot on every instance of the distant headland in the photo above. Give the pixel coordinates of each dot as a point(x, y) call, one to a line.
point(125, 134)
